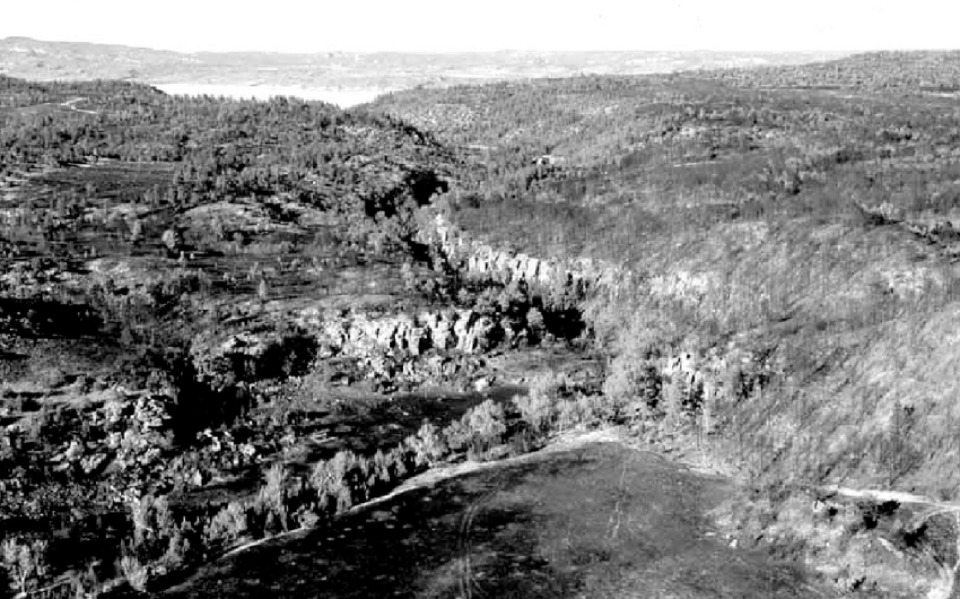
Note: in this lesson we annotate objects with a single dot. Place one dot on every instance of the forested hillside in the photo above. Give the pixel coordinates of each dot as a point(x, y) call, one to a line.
point(224, 321)
point(230, 148)
point(165, 263)
point(904, 71)
point(791, 237)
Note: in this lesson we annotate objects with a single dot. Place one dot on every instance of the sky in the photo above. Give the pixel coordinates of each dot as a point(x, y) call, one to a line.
point(489, 25)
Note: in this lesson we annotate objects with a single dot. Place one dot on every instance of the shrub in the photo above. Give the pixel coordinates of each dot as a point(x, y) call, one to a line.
point(487, 420)
point(539, 407)
point(537, 410)
point(568, 414)
point(26, 563)
point(163, 520)
point(272, 501)
point(637, 336)
point(334, 480)
point(536, 323)
point(487, 423)
point(178, 550)
point(152, 521)
point(380, 471)
point(428, 445)
point(364, 481)
point(594, 410)
point(399, 459)
point(322, 485)
point(634, 385)
point(229, 524)
point(137, 574)
point(140, 517)
point(458, 435)
point(549, 383)
point(86, 584)
point(274, 493)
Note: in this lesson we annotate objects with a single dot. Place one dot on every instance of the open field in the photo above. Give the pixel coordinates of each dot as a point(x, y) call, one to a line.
point(599, 520)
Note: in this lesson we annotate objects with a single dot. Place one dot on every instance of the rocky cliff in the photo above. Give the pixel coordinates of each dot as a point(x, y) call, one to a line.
point(557, 275)
point(359, 334)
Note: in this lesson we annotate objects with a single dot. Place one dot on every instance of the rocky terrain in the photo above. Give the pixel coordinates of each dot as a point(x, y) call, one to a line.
point(778, 238)
point(236, 331)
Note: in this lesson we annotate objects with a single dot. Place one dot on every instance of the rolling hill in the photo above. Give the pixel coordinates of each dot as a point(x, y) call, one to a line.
point(298, 74)
point(236, 333)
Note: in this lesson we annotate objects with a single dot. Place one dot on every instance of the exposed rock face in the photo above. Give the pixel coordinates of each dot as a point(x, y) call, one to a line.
point(390, 346)
point(360, 334)
point(245, 355)
point(576, 275)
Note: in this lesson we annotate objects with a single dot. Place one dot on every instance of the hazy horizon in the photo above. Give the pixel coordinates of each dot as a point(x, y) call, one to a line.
point(440, 52)
point(432, 26)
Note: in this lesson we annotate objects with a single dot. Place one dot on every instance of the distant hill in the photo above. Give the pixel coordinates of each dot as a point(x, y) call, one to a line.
point(379, 72)
point(929, 71)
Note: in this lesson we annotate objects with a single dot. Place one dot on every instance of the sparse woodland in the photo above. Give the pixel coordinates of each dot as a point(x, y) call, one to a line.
point(195, 290)
point(791, 232)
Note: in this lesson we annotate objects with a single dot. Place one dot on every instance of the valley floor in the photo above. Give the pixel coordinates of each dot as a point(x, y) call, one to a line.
point(588, 516)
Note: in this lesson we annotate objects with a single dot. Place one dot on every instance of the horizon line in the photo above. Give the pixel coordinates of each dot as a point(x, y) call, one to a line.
point(498, 51)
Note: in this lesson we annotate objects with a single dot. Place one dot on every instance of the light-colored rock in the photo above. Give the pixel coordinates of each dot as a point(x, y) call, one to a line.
point(360, 334)
point(482, 260)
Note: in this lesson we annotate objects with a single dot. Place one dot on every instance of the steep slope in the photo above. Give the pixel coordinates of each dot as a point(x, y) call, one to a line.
point(791, 258)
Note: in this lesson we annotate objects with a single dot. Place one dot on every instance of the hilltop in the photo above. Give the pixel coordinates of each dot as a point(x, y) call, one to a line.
point(374, 72)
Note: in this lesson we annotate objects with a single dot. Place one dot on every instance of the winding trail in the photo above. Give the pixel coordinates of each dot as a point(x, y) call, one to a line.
point(936, 508)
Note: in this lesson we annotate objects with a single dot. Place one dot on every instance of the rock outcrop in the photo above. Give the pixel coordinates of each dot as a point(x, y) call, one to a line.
point(576, 275)
point(386, 345)
point(360, 334)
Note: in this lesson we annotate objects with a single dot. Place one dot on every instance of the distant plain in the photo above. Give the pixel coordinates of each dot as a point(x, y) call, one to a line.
point(345, 78)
